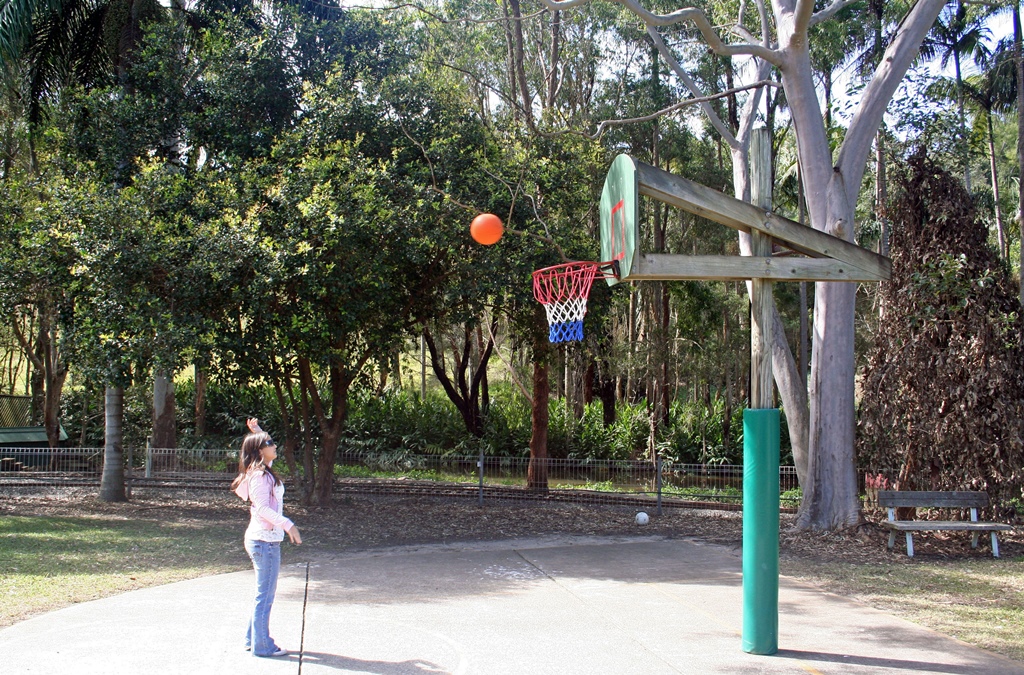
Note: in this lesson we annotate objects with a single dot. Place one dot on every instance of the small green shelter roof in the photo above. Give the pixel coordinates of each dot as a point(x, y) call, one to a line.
point(18, 436)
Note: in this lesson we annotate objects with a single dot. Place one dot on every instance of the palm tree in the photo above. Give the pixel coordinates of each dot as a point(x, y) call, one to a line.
point(959, 33)
point(882, 19)
point(989, 92)
point(16, 23)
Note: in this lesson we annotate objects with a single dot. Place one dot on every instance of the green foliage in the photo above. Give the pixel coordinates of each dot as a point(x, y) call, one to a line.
point(588, 438)
point(697, 434)
point(398, 424)
point(792, 497)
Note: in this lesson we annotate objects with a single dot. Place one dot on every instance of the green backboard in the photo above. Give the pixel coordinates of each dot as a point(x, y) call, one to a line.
point(620, 210)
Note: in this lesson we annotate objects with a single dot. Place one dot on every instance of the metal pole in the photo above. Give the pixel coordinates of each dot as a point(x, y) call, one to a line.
point(131, 474)
point(480, 468)
point(423, 368)
point(658, 478)
point(761, 531)
point(149, 459)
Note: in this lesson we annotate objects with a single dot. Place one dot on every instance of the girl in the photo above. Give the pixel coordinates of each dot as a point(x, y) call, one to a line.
point(257, 483)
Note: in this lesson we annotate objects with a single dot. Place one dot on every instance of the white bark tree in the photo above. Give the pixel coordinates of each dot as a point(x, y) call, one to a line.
point(823, 430)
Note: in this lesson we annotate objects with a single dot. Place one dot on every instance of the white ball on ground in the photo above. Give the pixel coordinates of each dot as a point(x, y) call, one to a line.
point(642, 518)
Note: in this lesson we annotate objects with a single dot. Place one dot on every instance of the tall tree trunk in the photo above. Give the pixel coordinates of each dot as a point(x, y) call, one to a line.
point(308, 457)
point(802, 362)
point(1018, 56)
point(964, 139)
point(83, 432)
point(331, 424)
point(881, 194)
point(112, 480)
point(38, 382)
point(165, 432)
point(48, 371)
point(553, 58)
point(827, 86)
point(510, 57)
point(995, 186)
point(830, 498)
point(519, 64)
point(202, 380)
point(324, 483)
point(537, 473)
point(608, 399)
point(588, 380)
point(56, 372)
point(830, 491)
point(732, 109)
point(632, 330)
point(484, 352)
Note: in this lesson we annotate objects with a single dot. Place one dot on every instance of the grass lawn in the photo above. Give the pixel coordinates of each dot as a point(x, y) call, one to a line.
point(979, 601)
point(51, 562)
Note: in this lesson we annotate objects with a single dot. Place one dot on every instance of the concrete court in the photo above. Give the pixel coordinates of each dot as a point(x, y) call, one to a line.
point(581, 605)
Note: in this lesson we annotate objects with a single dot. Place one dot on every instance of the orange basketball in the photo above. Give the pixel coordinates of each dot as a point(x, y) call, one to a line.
point(486, 229)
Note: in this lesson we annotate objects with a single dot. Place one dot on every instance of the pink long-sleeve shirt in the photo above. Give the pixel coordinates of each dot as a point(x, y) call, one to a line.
point(266, 500)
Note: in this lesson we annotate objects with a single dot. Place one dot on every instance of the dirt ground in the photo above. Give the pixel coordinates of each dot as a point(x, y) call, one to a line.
point(362, 522)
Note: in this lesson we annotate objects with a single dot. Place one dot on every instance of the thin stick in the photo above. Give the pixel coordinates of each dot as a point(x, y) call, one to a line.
point(511, 370)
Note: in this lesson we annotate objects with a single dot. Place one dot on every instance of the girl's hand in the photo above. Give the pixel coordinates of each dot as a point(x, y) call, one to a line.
point(254, 425)
point(294, 536)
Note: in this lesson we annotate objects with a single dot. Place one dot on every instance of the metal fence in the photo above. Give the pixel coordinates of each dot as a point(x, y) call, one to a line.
point(496, 477)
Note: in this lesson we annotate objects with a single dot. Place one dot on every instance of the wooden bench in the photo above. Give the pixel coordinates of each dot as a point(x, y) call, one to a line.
point(892, 500)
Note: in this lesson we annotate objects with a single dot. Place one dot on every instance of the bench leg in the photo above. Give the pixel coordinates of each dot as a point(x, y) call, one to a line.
point(995, 545)
point(892, 538)
point(910, 544)
point(974, 539)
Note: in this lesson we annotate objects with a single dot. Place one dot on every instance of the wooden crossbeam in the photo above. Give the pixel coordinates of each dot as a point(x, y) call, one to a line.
point(721, 208)
point(667, 267)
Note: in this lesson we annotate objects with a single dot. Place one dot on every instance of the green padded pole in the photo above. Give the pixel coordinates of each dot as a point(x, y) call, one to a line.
point(761, 531)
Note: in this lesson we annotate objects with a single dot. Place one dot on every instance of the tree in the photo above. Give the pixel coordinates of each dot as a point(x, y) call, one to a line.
point(832, 185)
point(470, 355)
point(986, 92)
point(354, 244)
point(959, 32)
point(36, 255)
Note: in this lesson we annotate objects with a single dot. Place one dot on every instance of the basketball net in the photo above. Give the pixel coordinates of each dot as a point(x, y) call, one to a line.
point(564, 290)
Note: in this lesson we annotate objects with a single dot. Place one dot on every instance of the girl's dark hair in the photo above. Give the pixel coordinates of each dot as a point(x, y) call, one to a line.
point(249, 458)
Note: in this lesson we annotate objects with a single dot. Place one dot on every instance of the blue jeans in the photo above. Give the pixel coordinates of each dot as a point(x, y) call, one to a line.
point(266, 561)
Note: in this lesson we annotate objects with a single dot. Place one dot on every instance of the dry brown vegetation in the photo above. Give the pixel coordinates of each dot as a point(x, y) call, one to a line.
point(944, 387)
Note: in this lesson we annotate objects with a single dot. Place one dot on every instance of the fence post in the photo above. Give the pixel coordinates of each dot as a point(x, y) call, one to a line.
point(149, 459)
point(131, 474)
point(480, 467)
point(659, 464)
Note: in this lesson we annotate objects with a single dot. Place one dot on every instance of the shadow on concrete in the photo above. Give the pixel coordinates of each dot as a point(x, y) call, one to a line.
point(348, 664)
point(895, 664)
point(400, 579)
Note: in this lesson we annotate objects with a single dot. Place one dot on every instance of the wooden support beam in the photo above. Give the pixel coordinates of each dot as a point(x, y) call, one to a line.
point(721, 208)
point(762, 305)
point(761, 314)
point(667, 267)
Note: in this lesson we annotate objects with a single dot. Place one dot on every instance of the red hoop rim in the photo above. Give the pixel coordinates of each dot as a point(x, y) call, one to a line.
point(605, 270)
point(566, 281)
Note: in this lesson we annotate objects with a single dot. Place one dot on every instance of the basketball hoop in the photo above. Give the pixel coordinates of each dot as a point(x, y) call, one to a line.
point(563, 290)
